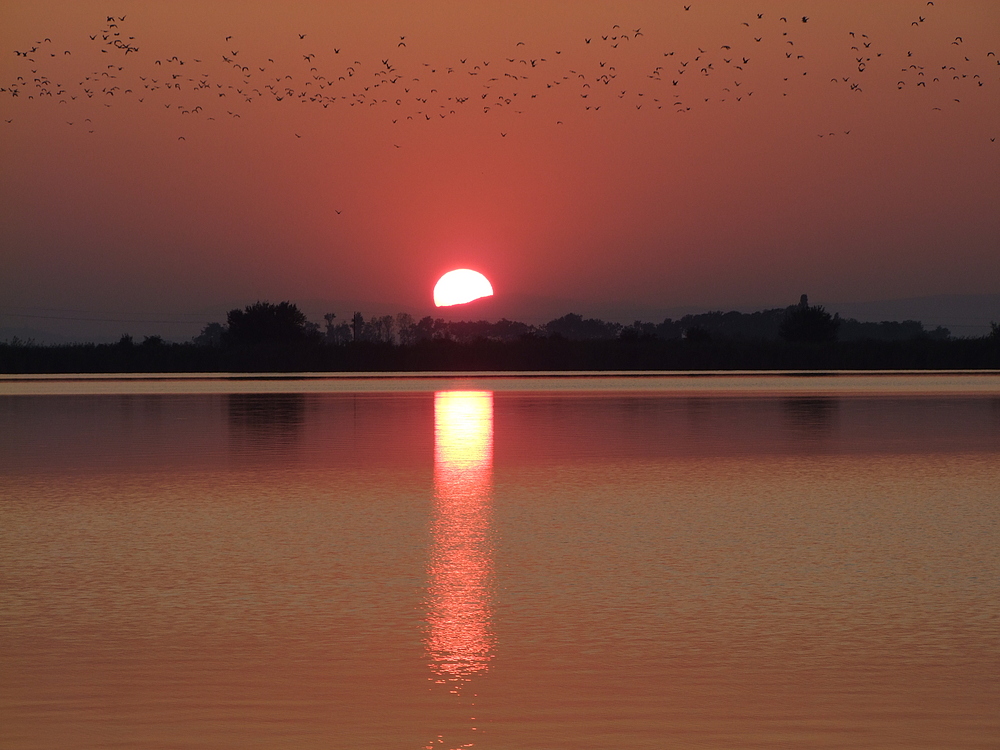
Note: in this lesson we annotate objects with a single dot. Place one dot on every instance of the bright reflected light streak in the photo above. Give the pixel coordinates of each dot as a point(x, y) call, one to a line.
point(460, 641)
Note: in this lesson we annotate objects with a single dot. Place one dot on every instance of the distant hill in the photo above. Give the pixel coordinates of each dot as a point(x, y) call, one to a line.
point(37, 335)
point(962, 314)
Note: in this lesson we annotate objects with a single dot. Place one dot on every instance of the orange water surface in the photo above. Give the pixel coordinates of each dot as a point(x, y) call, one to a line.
point(540, 566)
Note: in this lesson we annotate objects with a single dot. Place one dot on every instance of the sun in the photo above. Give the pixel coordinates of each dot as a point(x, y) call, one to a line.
point(460, 286)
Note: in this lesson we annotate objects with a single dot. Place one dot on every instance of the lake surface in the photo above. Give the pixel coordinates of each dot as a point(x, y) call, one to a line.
point(738, 561)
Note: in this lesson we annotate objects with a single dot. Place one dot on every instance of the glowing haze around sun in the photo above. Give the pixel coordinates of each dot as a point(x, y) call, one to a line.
point(460, 286)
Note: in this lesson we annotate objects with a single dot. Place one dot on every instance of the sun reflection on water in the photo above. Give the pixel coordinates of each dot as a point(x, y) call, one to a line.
point(460, 641)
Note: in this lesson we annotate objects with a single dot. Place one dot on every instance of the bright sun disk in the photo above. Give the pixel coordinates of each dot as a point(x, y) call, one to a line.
point(460, 286)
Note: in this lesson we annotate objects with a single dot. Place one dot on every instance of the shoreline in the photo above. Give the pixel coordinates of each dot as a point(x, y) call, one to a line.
point(794, 384)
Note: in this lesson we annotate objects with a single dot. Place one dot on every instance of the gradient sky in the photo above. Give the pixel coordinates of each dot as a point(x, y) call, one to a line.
point(704, 157)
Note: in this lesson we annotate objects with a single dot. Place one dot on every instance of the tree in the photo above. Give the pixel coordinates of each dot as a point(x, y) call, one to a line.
point(639, 330)
point(573, 326)
point(697, 334)
point(358, 326)
point(430, 328)
point(211, 335)
point(337, 333)
point(263, 322)
point(807, 323)
point(405, 328)
point(331, 327)
point(381, 329)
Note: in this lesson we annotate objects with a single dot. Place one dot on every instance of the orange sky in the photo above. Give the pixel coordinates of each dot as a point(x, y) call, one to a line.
point(573, 174)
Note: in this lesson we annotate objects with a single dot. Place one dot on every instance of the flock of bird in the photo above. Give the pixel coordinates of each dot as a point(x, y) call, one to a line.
point(615, 68)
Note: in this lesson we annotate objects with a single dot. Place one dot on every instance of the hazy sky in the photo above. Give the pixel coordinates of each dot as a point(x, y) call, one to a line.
point(196, 155)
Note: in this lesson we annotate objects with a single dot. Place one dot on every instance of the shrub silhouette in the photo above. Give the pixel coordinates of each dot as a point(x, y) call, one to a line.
point(263, 322)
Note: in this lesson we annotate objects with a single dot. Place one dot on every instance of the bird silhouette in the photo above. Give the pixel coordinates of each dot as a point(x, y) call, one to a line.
point(360, 86)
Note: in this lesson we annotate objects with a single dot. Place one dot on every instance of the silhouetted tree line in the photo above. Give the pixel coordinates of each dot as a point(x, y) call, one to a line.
point(266, 337)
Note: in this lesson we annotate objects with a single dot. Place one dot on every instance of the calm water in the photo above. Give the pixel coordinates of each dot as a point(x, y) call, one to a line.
point(730, 562)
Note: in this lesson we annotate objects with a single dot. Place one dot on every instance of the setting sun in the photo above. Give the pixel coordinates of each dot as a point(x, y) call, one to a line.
point(460, 286)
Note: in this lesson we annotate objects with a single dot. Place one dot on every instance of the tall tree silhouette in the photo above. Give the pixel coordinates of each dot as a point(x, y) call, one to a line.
point(809, 323)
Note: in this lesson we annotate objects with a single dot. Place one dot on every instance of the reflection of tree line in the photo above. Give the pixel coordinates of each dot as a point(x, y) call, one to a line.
point(273, 413)
point(811, 415)
point(278, 337)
